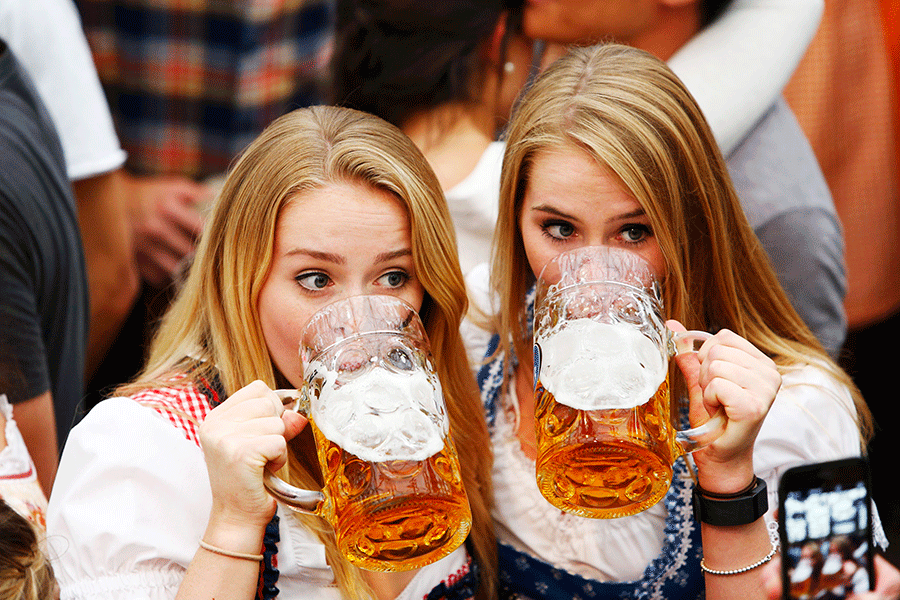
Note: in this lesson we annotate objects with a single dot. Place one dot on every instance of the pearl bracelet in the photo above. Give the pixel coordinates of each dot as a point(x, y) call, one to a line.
point(758, 563)
point(222, 552)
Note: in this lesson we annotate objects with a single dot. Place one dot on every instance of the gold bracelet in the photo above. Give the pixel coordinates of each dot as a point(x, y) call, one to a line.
point(758, 563)
point(229, 553)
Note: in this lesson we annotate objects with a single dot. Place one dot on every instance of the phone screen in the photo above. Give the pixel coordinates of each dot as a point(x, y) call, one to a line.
point(825, 529)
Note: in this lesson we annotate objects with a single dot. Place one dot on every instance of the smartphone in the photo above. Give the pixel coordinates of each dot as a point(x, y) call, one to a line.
point(824, 520)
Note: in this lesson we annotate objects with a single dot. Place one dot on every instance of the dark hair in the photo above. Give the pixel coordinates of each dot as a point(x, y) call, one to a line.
point(393, 58)
point(710, 10)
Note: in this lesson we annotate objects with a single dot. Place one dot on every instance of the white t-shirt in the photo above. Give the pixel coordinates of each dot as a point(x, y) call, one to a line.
point(47, 38)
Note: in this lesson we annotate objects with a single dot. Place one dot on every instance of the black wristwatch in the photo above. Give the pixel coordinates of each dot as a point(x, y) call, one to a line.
point(728, 510)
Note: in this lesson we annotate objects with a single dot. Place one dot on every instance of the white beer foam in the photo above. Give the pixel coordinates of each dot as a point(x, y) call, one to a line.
point(382, 415)
point(589, 365)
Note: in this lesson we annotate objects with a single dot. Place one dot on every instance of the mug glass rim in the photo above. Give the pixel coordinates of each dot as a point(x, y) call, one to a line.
point(357, 334)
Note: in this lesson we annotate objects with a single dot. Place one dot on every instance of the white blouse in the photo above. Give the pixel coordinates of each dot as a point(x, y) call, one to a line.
point(131, 500)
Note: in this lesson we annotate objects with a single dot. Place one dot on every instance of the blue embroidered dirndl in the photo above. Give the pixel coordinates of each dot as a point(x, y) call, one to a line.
point(675, 574)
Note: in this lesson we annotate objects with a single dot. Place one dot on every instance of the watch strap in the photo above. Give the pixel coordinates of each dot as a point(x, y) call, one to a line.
point(731, 510)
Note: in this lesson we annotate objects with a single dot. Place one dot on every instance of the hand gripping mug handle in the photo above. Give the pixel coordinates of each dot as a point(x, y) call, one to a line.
point(695, 438)
point(300, 500)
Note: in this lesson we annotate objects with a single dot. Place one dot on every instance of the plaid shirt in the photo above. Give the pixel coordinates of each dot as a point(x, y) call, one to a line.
point(192, 82)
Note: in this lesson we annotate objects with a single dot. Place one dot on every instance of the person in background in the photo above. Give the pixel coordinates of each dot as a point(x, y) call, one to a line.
point(608, 148)
point(773, 168)
point(327, 203)
point(43, 281)
point(189, 87)
point(845, 83)
point(447, 73)
point(735, 67)
point(131, 227)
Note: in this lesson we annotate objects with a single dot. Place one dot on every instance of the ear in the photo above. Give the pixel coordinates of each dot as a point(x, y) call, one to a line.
point(494, 44)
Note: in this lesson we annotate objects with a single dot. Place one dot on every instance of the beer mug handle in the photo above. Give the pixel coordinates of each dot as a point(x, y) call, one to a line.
point(695, 438)
point(305, 501)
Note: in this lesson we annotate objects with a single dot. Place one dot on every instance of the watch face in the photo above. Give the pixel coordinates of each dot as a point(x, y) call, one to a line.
point(826, 545)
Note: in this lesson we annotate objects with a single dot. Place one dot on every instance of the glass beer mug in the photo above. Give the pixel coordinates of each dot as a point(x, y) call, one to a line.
point(392, 485)
point(605, 438)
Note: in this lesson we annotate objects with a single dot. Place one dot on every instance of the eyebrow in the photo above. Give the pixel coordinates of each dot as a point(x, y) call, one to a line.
point(323, 256)
point(546, 208)
point(387, 256)
point(340, 260)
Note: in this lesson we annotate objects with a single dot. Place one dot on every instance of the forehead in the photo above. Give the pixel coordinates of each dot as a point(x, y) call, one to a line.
point(344, 199)
point(334, 212)
point(569, 176)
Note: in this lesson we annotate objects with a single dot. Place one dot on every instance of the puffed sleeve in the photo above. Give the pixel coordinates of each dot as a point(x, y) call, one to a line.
point(129, 504)
point(737, 66)
point(813, 419)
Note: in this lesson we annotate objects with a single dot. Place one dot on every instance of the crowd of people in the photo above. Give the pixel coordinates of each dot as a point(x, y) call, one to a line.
point(184, 186)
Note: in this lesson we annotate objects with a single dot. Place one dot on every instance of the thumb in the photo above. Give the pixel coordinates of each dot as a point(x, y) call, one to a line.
point(293, 424)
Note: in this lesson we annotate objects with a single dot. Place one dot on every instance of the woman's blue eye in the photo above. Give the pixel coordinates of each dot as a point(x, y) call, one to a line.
point(313, 281)
point(635, 233)
point(559, 231)
point(394, 279)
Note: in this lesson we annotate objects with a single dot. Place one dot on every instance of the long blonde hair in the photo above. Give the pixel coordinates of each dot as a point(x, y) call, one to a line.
point(215, 319)
point(630, 113)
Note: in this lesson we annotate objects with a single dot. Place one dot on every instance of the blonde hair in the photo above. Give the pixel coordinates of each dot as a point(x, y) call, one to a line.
point(215, 317)
point(630, 113)
point(25, 572)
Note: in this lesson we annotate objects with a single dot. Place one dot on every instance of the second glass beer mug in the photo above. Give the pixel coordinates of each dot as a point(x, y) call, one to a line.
point(392, 485)
point(605, 438)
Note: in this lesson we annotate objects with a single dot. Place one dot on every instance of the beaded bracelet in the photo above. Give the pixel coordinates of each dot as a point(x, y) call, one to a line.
point(221, 551)
point(758, 563)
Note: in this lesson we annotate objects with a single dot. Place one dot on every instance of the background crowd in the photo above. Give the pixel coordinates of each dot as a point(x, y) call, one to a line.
point(121, 121)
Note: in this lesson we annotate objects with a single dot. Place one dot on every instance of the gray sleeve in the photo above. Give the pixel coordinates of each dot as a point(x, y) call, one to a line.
point(806, 248)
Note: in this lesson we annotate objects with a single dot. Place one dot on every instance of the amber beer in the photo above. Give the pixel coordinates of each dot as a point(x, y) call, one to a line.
point(604, 463)
point(399, 512)
point(392, 488)
point(605, 439)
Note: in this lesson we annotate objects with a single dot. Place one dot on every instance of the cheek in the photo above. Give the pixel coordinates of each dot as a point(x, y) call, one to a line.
point(282, 323)
point(538, 248)
point(654, 255)
point(415, 296)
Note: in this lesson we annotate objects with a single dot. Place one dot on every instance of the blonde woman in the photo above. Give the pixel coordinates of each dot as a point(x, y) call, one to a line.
point(325, 204)
point(609, 149)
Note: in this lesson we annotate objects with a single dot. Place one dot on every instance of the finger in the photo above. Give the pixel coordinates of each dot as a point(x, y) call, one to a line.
point(177, 231)
point(253, 409)
point(739, 404)
point(887, 578)
point(255, 390)
point(157, 270)
point(294, 423)
point(771, 578)
point(760, 380)
point(187, 189)
point(727, 337)
point(185, 216)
